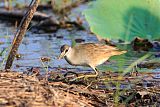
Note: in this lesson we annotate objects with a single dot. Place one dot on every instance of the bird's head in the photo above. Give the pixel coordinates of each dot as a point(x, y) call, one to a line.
point(64, 49)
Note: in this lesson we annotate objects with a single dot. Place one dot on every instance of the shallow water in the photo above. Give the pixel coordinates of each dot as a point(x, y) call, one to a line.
point(35, 46)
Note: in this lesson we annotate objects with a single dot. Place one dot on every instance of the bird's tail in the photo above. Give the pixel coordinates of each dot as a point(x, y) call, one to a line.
point(118, 52)
point(122, 52)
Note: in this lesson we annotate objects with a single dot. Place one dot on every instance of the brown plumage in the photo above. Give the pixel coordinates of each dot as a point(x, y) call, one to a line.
point(88, 54)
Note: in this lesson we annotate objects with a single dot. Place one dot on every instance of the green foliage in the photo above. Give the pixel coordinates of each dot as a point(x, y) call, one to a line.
point(125, 19)
point(73, 43)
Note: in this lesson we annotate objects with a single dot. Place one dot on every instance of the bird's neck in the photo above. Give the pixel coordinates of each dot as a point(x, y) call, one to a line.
point(70, 56)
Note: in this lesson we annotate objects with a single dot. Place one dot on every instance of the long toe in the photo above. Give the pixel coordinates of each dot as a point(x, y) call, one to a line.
point(86, 76)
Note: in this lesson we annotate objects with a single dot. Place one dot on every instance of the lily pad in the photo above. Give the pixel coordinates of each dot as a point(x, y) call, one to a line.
point(124, 19)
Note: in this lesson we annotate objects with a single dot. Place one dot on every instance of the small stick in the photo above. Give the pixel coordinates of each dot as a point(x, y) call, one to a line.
point(21, 32)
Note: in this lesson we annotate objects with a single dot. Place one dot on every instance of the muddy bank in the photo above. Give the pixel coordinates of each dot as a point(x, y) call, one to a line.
point(18, 89)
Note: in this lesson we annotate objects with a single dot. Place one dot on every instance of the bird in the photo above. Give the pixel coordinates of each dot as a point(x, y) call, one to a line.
point(88, 54)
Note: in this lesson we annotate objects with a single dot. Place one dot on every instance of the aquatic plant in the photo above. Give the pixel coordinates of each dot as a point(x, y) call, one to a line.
point(123, 19)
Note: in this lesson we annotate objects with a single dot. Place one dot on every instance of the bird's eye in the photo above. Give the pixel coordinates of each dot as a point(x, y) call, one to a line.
point(66, 50)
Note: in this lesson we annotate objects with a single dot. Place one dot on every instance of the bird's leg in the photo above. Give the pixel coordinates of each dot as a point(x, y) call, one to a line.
point(89, 76)
point(93, 75)
point(135, 70)
point(96, 71)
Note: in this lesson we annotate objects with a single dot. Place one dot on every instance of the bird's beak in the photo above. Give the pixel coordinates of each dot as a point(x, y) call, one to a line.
point(61, 55)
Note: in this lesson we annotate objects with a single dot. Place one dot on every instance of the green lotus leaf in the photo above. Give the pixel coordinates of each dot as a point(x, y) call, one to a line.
point(124, 19)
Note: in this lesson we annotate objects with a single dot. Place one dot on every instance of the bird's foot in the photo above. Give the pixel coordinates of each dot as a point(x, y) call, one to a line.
point(134, 73)
point(86, 77)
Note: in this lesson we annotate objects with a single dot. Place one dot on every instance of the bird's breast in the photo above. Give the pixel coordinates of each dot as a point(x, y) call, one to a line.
point(76, 61)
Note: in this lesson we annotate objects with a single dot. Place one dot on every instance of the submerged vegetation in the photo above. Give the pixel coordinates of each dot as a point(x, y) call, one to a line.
point(37, 78)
